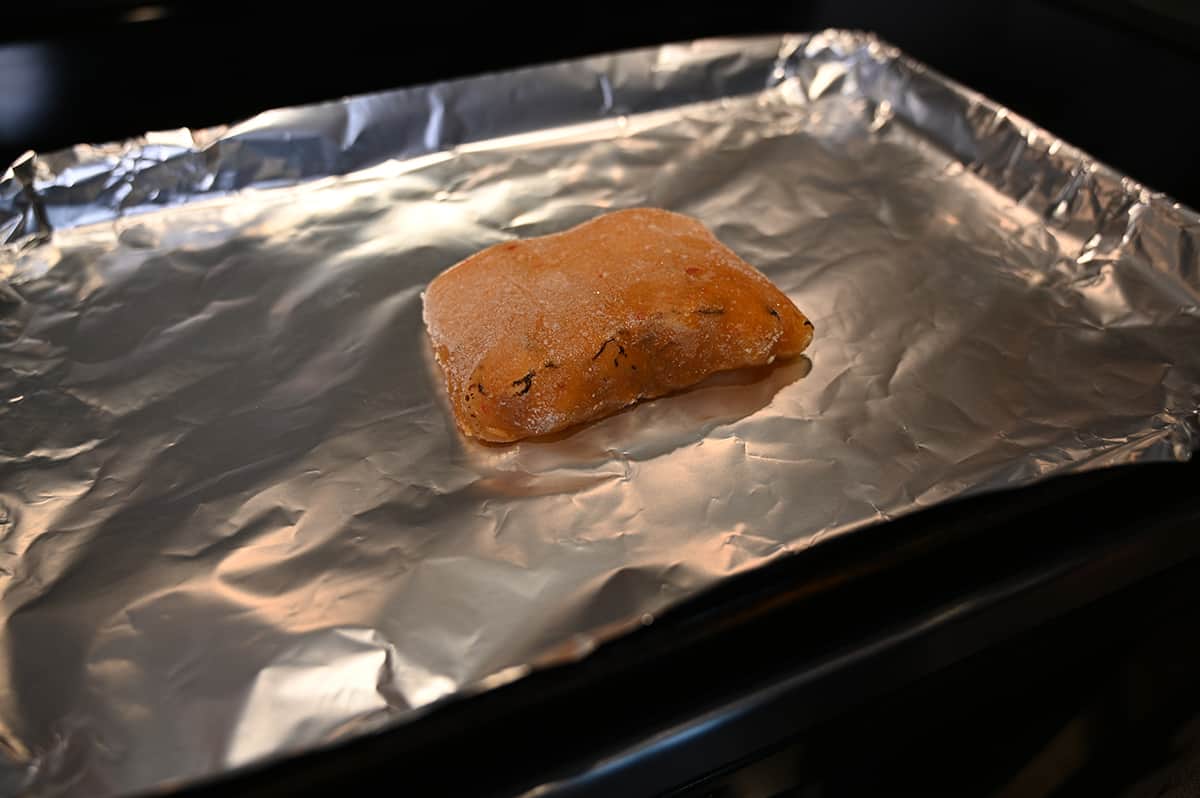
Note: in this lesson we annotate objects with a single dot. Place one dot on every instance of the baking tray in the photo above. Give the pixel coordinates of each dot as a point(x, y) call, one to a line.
point(234, 499)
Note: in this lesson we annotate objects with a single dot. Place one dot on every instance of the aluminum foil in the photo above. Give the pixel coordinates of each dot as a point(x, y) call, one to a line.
point(236, 519)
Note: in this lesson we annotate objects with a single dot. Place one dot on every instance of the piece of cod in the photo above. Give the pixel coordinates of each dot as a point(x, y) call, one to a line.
point(535, 336)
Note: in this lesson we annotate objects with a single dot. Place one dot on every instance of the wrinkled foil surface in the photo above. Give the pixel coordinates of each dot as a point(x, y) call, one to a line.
point(236, 519)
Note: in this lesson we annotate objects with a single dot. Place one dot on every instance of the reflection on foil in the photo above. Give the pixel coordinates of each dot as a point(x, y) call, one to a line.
point(236, 517)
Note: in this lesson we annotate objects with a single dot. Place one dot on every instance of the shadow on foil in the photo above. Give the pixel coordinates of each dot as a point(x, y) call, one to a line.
point(639, 432)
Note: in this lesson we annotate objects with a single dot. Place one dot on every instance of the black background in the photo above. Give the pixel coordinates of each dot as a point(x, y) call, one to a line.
point(1118, 84)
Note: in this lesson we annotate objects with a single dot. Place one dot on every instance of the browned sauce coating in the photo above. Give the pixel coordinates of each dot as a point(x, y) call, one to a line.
point(534, 336)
